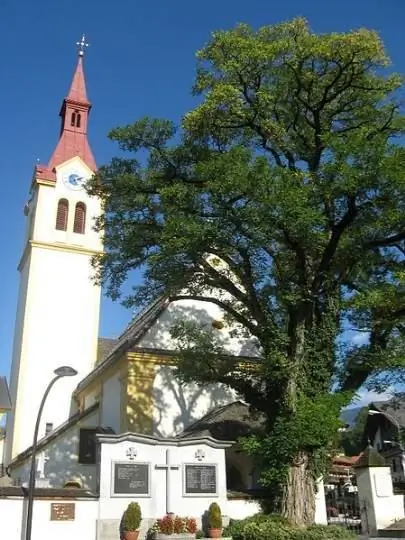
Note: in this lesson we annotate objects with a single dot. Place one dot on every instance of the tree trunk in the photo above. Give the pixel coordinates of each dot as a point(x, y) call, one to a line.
point(298, 499)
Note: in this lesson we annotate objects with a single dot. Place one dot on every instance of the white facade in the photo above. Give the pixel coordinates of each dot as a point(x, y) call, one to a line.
point(176, 405)
point(57, 319)
point(61, 463)
point(83, 527)
point(151, 451)
point(377, 496)
point(111, 403)
point(203, 314)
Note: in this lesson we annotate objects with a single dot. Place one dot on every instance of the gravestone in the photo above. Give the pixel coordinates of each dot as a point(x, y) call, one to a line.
point(180, 476)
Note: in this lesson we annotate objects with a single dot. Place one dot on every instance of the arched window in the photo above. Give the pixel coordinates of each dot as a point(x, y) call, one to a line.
point(75, 119)
point(62, 215)
point(79, 223)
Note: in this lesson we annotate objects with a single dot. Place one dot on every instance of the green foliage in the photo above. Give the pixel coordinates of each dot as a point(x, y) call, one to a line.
point(324, 532)
point(214, 516)
point(273, 527)
point(132, 517)
point(200, 534)
point(285, 189)
point(352, 440)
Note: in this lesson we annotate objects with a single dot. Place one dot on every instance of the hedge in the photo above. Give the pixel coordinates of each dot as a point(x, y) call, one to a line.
point(274, 527)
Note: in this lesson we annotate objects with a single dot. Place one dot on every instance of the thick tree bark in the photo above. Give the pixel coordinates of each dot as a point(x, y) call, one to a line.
point(298, 498)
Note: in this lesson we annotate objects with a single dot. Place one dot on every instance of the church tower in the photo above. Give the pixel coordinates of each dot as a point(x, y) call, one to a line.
point(57, 318)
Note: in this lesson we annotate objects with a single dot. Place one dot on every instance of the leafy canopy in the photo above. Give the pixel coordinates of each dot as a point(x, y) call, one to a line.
point(291, 173)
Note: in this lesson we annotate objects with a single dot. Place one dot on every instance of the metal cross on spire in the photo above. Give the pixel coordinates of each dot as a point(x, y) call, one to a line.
point(82, 44)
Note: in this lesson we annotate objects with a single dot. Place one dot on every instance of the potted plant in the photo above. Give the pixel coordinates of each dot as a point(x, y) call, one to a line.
point(131, 521)
point(175, 527)
point(214, 521)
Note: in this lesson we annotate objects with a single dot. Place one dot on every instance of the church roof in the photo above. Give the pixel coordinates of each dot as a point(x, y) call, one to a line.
point(394, 408)
point(226, 423)
point(127, 340)
point(80, 415)
point(104, 347)
point(74, 115)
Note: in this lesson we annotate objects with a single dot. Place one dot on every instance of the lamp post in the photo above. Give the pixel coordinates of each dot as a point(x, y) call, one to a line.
point(396, 424)
point(64, 371)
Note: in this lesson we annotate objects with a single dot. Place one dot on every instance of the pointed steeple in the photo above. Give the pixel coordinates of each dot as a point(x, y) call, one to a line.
point(77, 90)
point(74, 115)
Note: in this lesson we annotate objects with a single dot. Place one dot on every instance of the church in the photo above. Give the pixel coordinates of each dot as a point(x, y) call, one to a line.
point(122, 385)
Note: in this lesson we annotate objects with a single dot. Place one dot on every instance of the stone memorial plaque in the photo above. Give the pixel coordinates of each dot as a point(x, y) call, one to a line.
point(200, 479)
point(383, 484)
point(131, 478)
point(62, 511)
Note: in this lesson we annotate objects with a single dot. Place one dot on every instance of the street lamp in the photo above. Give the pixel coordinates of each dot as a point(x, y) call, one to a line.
point(396, 424)
point(63, 371)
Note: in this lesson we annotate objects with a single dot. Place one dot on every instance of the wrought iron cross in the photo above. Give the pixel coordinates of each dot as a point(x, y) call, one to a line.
point(199, 455)
point(131, 453)
point(82, 44)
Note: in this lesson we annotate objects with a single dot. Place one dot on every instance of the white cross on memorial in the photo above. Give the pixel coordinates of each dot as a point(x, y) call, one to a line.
point(168, 466)
point(131, 453)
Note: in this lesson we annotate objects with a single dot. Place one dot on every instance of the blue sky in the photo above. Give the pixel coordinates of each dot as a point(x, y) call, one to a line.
point(140, 62)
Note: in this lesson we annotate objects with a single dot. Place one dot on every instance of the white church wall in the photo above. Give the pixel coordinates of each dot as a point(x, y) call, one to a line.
point(61, 459)
point(17, 375)
point(57, 300)
point(111, 403)
point(45, 341)
point(48, 196)
point(91, 398)
point(205, 313)
point(13, 512)
point(241, 508)
point(176, 406)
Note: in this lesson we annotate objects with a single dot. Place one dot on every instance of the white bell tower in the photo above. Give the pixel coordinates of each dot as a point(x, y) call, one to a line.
point(57, 319)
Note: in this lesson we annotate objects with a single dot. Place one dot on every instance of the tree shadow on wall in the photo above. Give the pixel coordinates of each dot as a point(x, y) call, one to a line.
point(160, 395)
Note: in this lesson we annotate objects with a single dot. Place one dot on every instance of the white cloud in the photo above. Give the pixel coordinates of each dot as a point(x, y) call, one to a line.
point(364, 397)
point(360, 338)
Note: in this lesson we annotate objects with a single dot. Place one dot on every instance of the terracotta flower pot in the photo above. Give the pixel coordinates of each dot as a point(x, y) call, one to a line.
point(131, 535)
point(214, 533)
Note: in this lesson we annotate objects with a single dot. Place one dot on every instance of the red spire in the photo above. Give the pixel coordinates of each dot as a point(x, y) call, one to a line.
point(74, 114)
point(77, 90)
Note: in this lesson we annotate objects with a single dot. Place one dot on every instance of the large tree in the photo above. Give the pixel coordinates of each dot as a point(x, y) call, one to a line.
point(291, 173)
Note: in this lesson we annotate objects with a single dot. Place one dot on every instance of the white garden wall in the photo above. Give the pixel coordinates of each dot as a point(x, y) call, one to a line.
point(13, 513)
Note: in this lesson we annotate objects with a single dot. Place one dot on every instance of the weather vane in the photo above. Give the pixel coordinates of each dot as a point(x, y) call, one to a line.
point(82, 44)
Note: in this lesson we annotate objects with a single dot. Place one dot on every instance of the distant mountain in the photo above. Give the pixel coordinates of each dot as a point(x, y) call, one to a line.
point(349, 416)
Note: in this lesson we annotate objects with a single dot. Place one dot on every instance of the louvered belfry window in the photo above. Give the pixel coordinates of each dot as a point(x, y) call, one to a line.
point(62, 215)
point(80, 218)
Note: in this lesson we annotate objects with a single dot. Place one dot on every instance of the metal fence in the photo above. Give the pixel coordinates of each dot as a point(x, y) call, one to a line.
point(343, 508)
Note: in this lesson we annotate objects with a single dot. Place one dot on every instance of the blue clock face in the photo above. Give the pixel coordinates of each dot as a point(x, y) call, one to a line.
point(73, 180)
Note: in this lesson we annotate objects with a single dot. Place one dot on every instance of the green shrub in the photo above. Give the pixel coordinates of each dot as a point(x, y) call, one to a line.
point(132, 517)
point(200, 534)
point(323, 532)
point(276, 527)
point(214, 516)
point(236, 528)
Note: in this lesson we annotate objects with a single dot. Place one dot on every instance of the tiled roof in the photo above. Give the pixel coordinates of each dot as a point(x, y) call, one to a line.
point(135, 330)
point(54, 434)
point(104, 347)
point(226, 423)
point(394, 407)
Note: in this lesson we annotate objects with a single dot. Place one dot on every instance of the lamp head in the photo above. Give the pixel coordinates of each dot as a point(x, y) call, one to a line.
point(65, 371)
